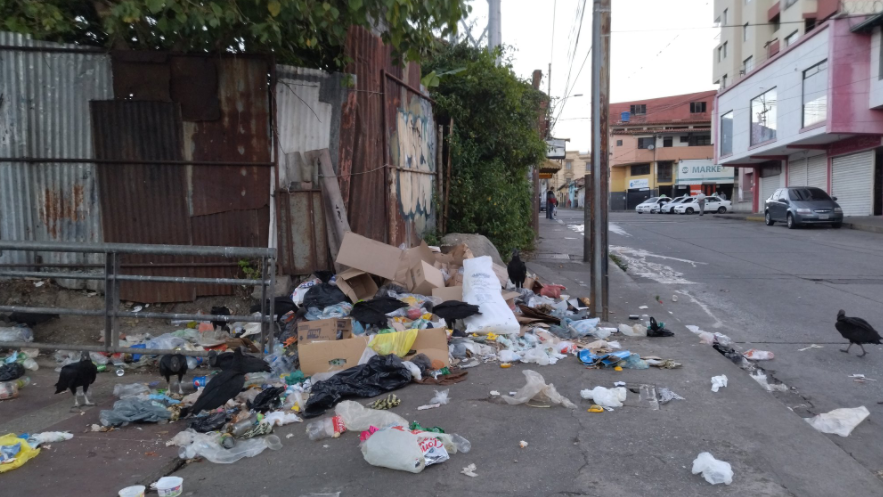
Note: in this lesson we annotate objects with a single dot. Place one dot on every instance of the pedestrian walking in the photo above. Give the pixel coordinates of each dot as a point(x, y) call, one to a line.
point(700, 199)
point(550, 199)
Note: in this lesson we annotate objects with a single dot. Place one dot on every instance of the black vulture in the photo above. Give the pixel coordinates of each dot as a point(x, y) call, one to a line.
point(454, 309)
point(375, 311)
point(237, 361)
point(221, 311)
point(173, 365)
point(517, 270)
point(78, 375)
point(31, 319)
point(220, 388)
point(857, 331)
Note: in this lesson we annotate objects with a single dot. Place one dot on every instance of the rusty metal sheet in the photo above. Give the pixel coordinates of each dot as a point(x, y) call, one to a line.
point(194, 85)
point(241, 134)
point(141, 76)
point(143, 203)
point(228, 229)
point(303, 246)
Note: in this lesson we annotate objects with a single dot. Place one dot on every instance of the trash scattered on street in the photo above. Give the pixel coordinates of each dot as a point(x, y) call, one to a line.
point(536, 390)
point(839, 421)
point(133, 491)
point(441, 397)
point(605, 397)
point(169, 486)
point(762, 380)
point(758, 355)
point(718, 382)
point(666, 396)
point(469, 470)
point(522, 444)
point(713, 470)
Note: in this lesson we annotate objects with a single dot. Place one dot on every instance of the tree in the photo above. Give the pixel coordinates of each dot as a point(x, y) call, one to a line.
point(495, 142)
point(300, 32)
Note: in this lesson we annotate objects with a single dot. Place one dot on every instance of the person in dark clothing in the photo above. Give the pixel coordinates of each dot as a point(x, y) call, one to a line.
point(550, 203)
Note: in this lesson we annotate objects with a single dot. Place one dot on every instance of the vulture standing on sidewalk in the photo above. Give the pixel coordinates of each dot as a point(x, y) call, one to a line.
point(221, 388)
point(237, 361)
point(857, 331)
point(78, 375)
point(517, 270)
point(173, 365)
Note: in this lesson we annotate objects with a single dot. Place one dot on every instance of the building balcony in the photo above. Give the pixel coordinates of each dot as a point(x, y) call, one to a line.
point(774, 11)
point(772, 48)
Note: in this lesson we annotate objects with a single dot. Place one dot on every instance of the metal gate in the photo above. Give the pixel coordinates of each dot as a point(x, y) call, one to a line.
point(817, 171)
point(852, 182)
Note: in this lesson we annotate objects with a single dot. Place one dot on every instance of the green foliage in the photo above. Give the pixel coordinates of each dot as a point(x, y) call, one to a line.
point(250, 269)
point(494, 144)
point(302, 32)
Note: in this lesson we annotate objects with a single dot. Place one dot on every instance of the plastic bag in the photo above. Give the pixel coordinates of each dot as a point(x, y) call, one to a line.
point(508, 356)
point(324, 295)
point(839, 421)
point(167, 341)
point(634, 361)
point(16, 334)
point(212, 422)
point(132, 409)
point(379, 375)
point(267, 400)
point(605, 397)
point(398, 343)
point(585, 327)
point(712, 470)
point(603, 333)
point(416, 374)
point(300, 292)
point(207, 445)
point(23, 454)
point(397, 448)
point(46, 437)
point(633, 331)
point(536, 389)
point(666, 396)
point(440, 397)
point(9, 372)
point(536, 355)
point(357, 417)
point(336, 311)
point(482, 288)
point(282, 418)
point(718, 382)
point(131, 390)
point(759, 355)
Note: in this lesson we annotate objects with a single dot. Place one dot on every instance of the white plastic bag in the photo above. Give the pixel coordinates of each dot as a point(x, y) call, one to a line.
point(207, 445)
point(633, 331)
point(48, 437)
point(132, 390)
point(536, 355)
point(839, 421)
point(481, 287)
point(718, 382)
point(396, 448)
point(585, 327)
point(416, 375)
point(605, 397)
point(282, 418)
point(712, 470)
point(357, 417)
point(508, 356)
point(603, 333)
point(440, 397)
point(536, 389)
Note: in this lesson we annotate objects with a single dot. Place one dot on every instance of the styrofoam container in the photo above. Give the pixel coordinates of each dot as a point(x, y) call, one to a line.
point(133, 491)
point(170, 486)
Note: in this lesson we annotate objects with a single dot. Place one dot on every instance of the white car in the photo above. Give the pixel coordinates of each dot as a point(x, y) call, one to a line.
point(669, 207)
point(712, 204)
point(652, 205)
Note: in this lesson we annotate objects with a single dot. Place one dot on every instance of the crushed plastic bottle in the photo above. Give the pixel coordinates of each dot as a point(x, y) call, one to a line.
point(325, 428)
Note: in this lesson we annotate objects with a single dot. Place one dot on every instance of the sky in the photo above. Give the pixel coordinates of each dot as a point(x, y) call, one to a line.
point(659, 48)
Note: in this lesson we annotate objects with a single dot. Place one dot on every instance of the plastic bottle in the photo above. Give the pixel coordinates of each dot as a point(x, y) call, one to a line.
point(240, 428)
point(23, 381)
point(645, 319)
point(325, 428)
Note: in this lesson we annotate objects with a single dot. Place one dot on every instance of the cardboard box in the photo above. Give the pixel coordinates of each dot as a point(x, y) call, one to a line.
point(356, 284)
point(448, 293)
point(324, 330)
point(423, 278)
point(322, 357)
point(370, 256)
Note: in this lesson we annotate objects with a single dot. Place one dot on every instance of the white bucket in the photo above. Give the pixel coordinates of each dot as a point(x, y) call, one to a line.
point(133, 491)
point(170, 486)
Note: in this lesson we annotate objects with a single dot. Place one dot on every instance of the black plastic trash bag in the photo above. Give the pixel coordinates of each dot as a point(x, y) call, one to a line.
point(379, 375)
point(324, 294)
point(375, 311)
point(268, 399)
point(657, 331)
point(9, 372)
point(212, 422)
point(422, 362)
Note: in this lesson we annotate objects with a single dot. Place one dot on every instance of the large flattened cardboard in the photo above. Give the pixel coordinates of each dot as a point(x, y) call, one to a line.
point(373, 257)
point(324, 330)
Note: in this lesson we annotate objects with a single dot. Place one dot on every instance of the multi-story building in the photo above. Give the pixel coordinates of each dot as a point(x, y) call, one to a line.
point(574, 166)
point(811, 115)
point(650, 140)
point(752, 31)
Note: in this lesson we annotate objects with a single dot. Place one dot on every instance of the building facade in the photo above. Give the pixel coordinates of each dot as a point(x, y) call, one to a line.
point(573, 166)
point(812, 115)
point(650, 140)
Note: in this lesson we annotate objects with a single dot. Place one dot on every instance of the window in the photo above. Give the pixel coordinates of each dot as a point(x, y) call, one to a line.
point(724, 82)
point(745, 32)
point(720, 51)
point(685, 139)
point(640, 169)
point(763, 117)
point(748, 65)
point(790, 39)
point(815, 94)
point(646, 143)
point(724, 17)
point(808, 194)
point(789, 3)
point(697, 107)
point(700, 140)
point(663, 172)
point(666, 142)
point(638, 110)
point(726, 134)
point(725, 49)
point(568, 165)
point(618, 143)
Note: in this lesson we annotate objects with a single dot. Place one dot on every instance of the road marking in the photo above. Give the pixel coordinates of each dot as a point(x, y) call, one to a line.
point(717, 322)
point(611, 228)
point(640, 266)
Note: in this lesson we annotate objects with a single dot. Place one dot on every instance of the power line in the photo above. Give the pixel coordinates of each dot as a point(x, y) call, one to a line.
point(582, 13)
point(722, 26)
point(552, 49)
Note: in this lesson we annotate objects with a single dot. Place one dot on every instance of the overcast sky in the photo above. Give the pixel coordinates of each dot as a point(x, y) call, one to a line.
point(659, 48)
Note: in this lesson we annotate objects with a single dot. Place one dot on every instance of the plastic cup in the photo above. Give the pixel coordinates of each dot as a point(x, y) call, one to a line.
point(133, 491)
point(170, 486)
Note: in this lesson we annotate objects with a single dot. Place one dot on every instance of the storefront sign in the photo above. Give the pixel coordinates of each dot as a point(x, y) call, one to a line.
point(639, 183)
point(692, 172)
point(555, 149)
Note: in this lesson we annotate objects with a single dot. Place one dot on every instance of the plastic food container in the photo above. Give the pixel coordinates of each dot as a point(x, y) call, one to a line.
point(133, 491)
point(170, 486)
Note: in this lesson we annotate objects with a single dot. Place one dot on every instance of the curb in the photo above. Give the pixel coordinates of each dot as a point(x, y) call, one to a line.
point(846, 225)
point(737, 217)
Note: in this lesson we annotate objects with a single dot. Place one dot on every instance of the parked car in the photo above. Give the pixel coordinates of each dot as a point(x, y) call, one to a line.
point(798, 205)
point(652, 205)
point(712, 204)
point(668, 207)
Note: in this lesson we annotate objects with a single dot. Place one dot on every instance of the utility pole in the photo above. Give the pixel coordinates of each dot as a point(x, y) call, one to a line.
point(494, 23)
point(595, 222)
point(549, 82)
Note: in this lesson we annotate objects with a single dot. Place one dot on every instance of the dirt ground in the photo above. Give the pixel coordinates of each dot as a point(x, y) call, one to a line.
point(88, 329)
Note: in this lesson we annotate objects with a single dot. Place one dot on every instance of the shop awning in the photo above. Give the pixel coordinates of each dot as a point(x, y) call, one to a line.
point(550, 167)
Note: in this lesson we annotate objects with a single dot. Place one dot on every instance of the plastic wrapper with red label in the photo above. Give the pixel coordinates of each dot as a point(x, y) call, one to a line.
point(398, 448)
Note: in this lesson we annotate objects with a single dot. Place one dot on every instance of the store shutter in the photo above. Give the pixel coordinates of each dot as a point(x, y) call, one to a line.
point(817, 171)
point(797, 172)
point(853, 183)
point(768, 186)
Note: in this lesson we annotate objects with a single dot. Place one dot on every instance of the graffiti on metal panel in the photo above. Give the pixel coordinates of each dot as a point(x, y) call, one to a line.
point(413, 148)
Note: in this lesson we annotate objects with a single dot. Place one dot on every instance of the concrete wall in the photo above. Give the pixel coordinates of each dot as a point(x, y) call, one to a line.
point(785, 73)
point(875, 92)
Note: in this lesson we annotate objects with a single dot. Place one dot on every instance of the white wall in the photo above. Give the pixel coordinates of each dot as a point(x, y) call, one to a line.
point(785, 74)
point(876, 89)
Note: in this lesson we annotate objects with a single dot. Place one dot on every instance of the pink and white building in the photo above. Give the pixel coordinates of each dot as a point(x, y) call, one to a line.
point(811, 115)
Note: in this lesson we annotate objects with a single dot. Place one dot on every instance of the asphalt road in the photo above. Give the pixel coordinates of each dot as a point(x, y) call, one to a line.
point(773, 289)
